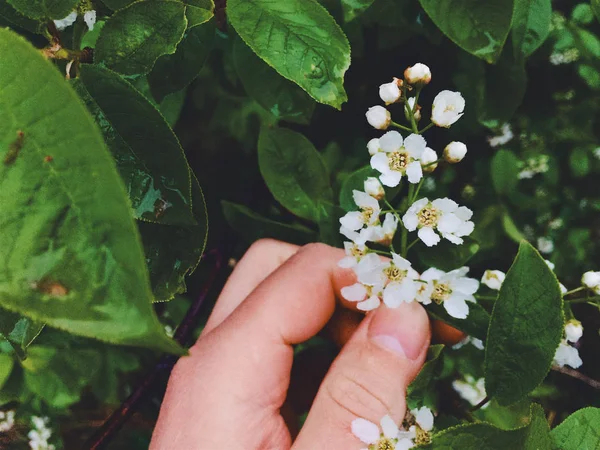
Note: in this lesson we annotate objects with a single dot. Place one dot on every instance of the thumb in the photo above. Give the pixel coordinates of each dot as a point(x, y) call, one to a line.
point(369, 377)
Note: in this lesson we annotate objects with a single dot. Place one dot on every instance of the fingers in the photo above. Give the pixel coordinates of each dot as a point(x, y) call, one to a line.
point(369, 378)
point(262, 258)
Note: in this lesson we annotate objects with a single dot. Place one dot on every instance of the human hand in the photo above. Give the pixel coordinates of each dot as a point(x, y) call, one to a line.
point(228, 393)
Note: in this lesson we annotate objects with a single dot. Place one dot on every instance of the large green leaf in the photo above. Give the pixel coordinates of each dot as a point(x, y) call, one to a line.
point(533, 436)
point(173, 251)
point(172, 73)
point(11, 17)
point(417, 389)
point(300, 40)
point(354, 8)
point(596, 8)
point(136, 36)
point(281, 97)
point(294, 171)
point(198, 11)
point(579, 431)
point(44, 9)
point(70, 254)
point(6, 365)
point(446, 255)
point(479, 27)
point(531, 25)
point(117, 4)
point(148, 154)
point(252, 226)
point(525, 328)
point(505, 172)
point(476, 324)
point(18, 330)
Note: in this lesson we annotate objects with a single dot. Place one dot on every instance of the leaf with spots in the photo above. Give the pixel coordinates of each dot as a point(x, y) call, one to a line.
point(300, 40)
point(70, 254)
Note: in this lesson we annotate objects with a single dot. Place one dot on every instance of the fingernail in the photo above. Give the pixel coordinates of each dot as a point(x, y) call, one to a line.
point(402, 330)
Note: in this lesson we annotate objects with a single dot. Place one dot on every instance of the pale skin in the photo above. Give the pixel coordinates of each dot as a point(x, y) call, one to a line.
point(228, 393)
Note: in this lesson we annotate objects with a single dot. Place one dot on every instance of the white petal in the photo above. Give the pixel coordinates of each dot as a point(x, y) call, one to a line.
point(354, 293)
point(397, 293)
point(464, 213)
point(352, 220)
point(390, 178)
point(389, 428)
point(410, 221)
point(445, 205)
point(405, 444)
point(369, 304)
point(380, 162)
point(448, 223)
point(465, 285)
point(432, 274)
point(493, 279)
point(573, 331)
point(89, 17)
point(414, 172)
point(452, 238)
point(366, 431)
point(465, 229)
point(364, 200)
point(424, 418)
point(415, 145)
point(456, 307)
point(428, 236)
point(347, 262)
point(390, 141)
point(400, 262)
point(373, 146)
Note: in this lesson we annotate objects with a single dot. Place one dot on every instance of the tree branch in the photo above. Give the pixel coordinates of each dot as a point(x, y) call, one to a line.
point(578, 375)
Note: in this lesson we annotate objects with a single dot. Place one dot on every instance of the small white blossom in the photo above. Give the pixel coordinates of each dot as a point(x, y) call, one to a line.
point(417, 74)
point(532, 166)
point(354, 252)
point(89, 17)
point(429, 160)
point(379, 117)
point(40, 434)
point(597, 153)
point(573, 331)
point(453, 290)
point(565, 57)
point(399, 158)
point(373, 146)
point(390, 92)
point(471, 390)
point(545, 245)
point(567, 355)
point(383, 234)
point(448, 107)
point(369, 433)
point(374, 188)
point(424, 418)
point(455, 152)
point(493, 279)
point(368, 215)
point(555, 224)
point(7, 421)
point(66, 22)
point(444, 215)
point(369, 288)
point(401, 286)
point(477, 343)
point(591, 280)
point(169, 331)
point(503, 138)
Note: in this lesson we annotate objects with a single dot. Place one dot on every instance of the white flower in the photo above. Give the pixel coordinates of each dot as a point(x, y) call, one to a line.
point(573, 331)
point(477, 343)
point(429, 160)
point(369, 288)
point(417, 74)
point(567, 356)
point(38, 437)
point(455, 152)
point(448, 107)
point(424, 418)
point(369, 433)
point(379, 117)
point(7, 421)
point(373, 146)
point(89, 17)
point(452, 290)
point(493, 279)
point(374, 188)
point(66, 22)
point(502, 139)
point(399, 157)
point(471, 390)
point(416, 112)
point(383, 234)
point(390, 92)
point(368, 215)
point(591, 280)
point(545, 245)
point(401, 285)
point(443, 215)
point(354, 253)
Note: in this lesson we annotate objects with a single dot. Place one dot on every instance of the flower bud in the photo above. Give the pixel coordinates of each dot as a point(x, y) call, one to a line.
point(429, 160)
point(493, 279)
point(573, 331)
point(454, 152)
point(591, 280)
point(417, 74)
point(374, 188)
point(373, 146)
point(447, 108)
point(411, 105)
point(378, 117)
point(390, 92)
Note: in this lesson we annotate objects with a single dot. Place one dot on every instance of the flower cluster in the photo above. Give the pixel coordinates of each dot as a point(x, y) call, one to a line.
point(397, 158)
point(414, 431)
point(40, 434)
point(566, 354)
point(7, 421)
point(89, 17)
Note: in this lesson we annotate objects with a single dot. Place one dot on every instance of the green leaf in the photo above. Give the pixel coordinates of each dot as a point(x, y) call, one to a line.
point(579, 160)
point(149, 157)
point(590, 75)
point(117, 4)
point(281, 97)
point(174, 251)
point(531, 25)
point(70, 254)
point(329, 224)
point(417, 389)
point(533, 436)
point(479, 27)
point(596, 8)
point(11, 17)
point(294, 171)
point(198, 12)
point(354, 8)
point(579, 431)
point(44, 9)
point(355, 181)
point(505, 172)
point(252, 226)
point(525, 329)
point(175, 72)
point(300, 40)
point(511, 229)
point(475, 325)
point(19, 331)
point(583, 14)
point(136, 36)
point(447, 256)
point(6, 365)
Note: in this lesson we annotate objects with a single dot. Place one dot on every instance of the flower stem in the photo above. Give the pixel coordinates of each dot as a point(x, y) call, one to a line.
point(411, 244)
point(480, 404)
point(579, 289)
point(426, 128)
point(411, 114)
point(486, 297)
point(412, 200)
point(402, 127)
point(595, 298)
point(381, 252)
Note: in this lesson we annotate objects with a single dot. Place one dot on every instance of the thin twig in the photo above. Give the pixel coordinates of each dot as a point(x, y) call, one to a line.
point(163, 368)
point(578, 375)
point(480, 404)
